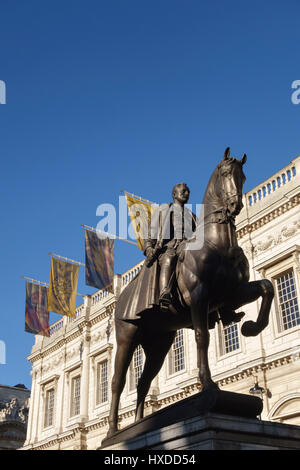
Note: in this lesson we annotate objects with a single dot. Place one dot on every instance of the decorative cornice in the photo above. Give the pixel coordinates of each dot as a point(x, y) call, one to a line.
point(103, 422)
point(177, 396)
point(260, 222)
point(252, 370)
point(54, 441)
point(292, 251)
point(53, 378)
point(106, 313)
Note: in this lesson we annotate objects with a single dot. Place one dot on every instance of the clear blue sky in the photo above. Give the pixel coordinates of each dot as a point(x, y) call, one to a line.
point(136, 95)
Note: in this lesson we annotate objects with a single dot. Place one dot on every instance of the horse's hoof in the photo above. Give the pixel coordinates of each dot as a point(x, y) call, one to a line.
point(250, 328)
point(238, 316)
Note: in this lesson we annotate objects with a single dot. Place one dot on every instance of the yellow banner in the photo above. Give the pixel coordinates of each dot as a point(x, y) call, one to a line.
point(63, 287)
point(140, 214)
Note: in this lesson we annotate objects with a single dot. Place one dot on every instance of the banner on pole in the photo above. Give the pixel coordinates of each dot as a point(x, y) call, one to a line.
point(63, 287)
point(99, 261)
point(140, 213)
point(36, 309)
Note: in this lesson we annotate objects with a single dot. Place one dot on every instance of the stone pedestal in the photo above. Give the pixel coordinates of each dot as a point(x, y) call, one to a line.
point(208, 420)
point(215, 432)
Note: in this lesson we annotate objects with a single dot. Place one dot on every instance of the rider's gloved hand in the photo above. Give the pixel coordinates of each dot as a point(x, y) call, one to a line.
point(149, 253)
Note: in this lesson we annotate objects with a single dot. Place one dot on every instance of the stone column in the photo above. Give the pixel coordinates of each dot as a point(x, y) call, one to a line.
point(38, 413)
point(57, 402)
point(93, 382)
point(61, 404)
point(84, 384)
point(110, 368)
point(85, 368)
point(29, 436)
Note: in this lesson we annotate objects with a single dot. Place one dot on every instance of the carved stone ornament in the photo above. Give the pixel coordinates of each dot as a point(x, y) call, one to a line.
point(278, 237)
point(13, 411)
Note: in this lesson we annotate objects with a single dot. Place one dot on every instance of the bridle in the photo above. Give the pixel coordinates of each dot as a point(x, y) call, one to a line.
point(222, 214)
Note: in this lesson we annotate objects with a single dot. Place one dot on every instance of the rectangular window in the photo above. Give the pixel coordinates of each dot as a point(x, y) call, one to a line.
point(231, 340)
point(177, 356)
point(287, 299)
point(102, 389)
point(49, 408)
point(136, 368)
point(75, 401)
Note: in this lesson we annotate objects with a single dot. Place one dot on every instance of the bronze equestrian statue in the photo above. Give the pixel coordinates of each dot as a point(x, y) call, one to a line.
point(211, 282)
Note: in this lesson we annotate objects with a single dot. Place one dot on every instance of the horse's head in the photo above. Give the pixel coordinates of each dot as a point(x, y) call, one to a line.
point(230, 182)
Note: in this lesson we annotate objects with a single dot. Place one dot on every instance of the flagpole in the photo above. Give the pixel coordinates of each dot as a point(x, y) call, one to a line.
point(35, 281)
point(139, 197)
point(109, 235)
point(43, 283)
point(67, 259)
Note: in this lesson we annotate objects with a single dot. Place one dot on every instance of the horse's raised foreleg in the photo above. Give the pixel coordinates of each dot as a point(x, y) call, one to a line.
point(199, 312)
point(156, 348)
point(249, 293)
point(126, 334)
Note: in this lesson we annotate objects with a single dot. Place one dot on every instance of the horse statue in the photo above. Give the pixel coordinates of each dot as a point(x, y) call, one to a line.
point(211, 277)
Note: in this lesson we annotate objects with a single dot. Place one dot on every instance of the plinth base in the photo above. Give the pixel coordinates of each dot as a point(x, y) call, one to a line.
point(215, 432)
point(198, 405)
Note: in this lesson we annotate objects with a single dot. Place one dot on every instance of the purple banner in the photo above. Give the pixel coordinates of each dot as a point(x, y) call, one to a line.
point(99, 261)
point(36, 309)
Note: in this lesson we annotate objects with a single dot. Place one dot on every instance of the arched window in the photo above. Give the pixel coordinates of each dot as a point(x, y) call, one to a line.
point(287, 410)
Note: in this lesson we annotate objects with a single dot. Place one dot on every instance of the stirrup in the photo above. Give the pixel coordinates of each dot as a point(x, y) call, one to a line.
point(165, 301)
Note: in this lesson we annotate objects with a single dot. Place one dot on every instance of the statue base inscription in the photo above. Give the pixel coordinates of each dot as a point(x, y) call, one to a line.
point(198, 405)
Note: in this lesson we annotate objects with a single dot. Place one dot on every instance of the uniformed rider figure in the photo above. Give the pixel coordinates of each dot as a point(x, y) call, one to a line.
point(171, 224)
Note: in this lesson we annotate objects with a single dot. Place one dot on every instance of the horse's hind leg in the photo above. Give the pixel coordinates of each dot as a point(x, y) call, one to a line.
point(156, 349)
point(126, 335)
point(249, 293)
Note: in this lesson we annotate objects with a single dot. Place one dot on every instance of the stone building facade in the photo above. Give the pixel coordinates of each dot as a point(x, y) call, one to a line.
point(72, 369)
point(13, 416)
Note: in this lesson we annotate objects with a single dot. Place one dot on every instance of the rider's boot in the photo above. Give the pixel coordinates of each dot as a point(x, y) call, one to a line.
point(165, 284)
